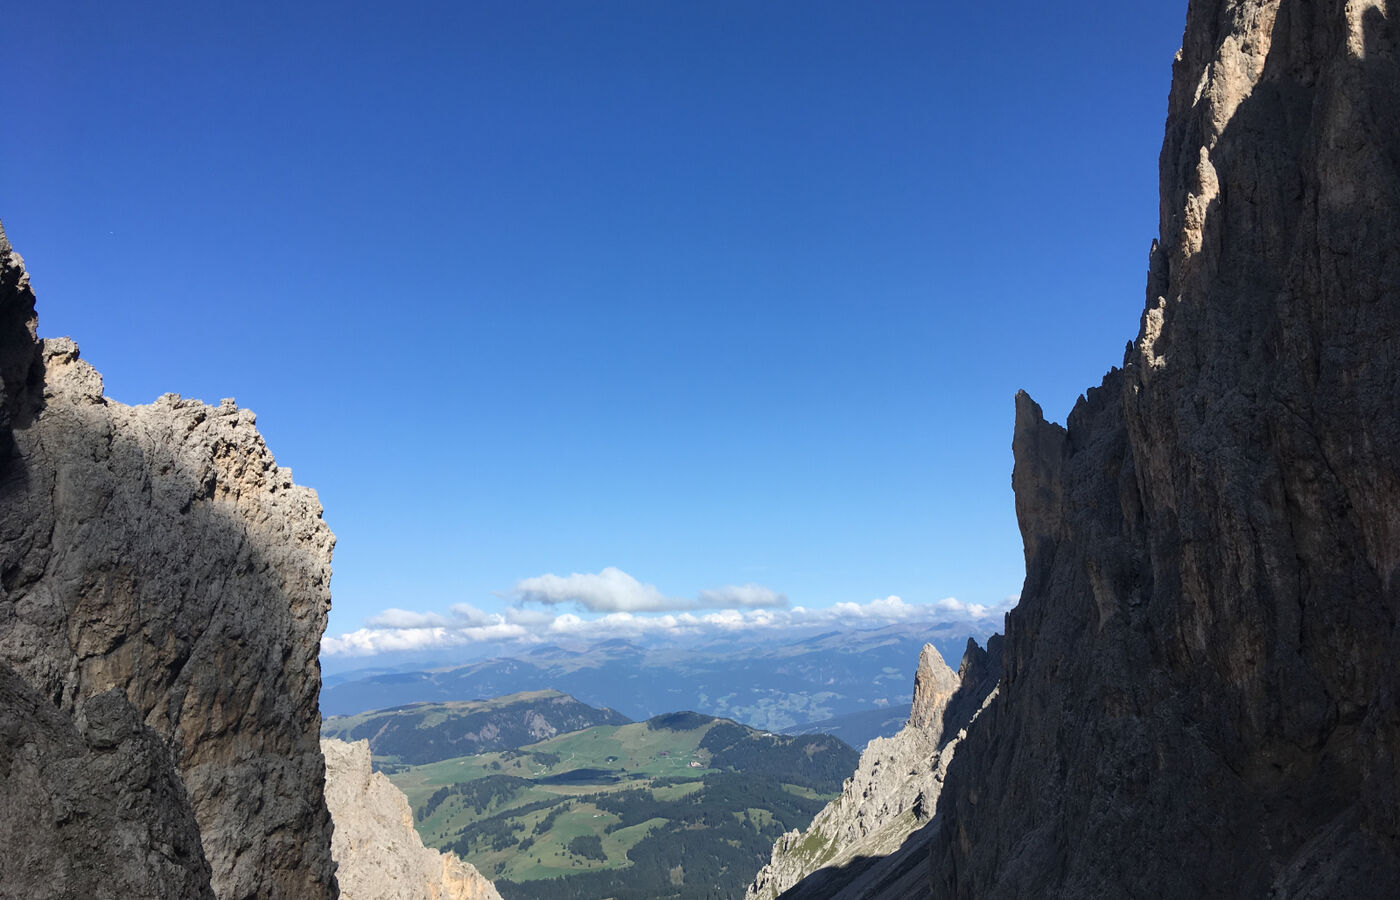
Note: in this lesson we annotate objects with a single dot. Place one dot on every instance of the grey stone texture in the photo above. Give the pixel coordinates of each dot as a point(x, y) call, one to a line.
point(91, 809)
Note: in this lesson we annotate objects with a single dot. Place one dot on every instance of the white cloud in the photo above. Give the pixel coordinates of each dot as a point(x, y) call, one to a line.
point(369, 641)
point(528, 617)
point(745, 596)
point(469, 615)
point(611, 590)
point(954, 605)
point(889, 609)
point(403, 618)
point(471, 625)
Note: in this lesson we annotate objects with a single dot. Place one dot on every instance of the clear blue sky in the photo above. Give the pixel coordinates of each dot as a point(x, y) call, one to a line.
point(715, 293)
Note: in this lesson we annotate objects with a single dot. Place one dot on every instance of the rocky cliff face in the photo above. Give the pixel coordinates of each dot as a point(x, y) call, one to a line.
point(870, 840)
point(1200, 696)
point(155, 561)
point(379, 855)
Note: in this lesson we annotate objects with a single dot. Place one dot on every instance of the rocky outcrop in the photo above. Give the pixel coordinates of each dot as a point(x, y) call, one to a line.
point(934, 685)
point(379, 855)
point(1200, 696)
point(157, 557)
point(871, 840)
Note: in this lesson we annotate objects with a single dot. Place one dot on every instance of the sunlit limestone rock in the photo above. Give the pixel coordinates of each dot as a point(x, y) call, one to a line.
point(157, 558)
point(869, 839)
point(1200, 696)
point(934, 685)
point(379, 855)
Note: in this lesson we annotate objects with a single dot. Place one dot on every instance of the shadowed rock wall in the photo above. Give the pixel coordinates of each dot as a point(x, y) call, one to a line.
point(1200, 695)
point(92, 809)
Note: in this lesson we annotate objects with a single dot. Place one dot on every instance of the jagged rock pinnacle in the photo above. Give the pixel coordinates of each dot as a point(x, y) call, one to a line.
point(934, 684)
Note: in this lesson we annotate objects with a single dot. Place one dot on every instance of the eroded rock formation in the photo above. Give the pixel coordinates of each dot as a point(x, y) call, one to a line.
point(379, 854)
point(1200, 696)
point(871, 841)
point(157, 558)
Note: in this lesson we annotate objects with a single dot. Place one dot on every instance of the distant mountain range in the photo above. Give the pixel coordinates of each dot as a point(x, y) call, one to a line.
point(428, 732)
point(775, 687)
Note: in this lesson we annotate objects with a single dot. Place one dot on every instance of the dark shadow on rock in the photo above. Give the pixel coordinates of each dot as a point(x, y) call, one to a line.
point(21, 363)
point(93, 807)
point(978, 674)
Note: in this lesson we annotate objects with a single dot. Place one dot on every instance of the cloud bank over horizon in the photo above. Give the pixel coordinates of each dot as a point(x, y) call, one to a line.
point(613, 590)
point(631, 609)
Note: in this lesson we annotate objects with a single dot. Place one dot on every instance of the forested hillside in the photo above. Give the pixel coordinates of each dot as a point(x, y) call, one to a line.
point(681, 806)
point(427, 732)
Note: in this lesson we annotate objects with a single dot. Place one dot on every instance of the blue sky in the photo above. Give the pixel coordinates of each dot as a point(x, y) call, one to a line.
point(728, 298)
